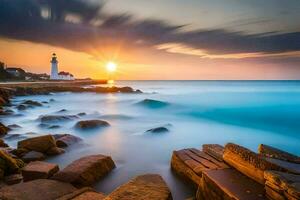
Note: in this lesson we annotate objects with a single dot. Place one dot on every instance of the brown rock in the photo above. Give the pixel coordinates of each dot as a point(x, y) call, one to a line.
point(145, 187)
point(85, 192)
point(272, 152)
point(228, 184)
point(214, 150)
point(287, 166)
point(55, 151)
point(39, 144)
point(2, 143)
point(41, 189)
point(190, 163)
point(67, 140)
point(86, 170)
point(32, 103)
point(33, 156)
point(39, 170)
point(248, 162)
point(91, 124)
point(57, 118)
point(13, 179)
point(3, 129)
point(90, 195)
point(8, 164)
point(272, 194)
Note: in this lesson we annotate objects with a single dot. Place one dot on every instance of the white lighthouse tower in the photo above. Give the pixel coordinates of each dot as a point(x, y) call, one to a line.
point(54, 68)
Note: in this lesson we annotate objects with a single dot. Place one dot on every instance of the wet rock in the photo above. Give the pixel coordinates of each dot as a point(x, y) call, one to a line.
point(66, 140)
point(13, 179)
point(228, 184)
point(14, 126)
point(54, 127)
point(51, 100)
point(158, 130)
point(62, 110)
point(57, 118)
point(33, 156)
point(189, 164)
point(286, 166)
point(39, 170)
point(41, 189)
point(15, 136)
point(81, 114)
point(40, 144)
point(45, 102)
point(86, 170)
point(21, 107)
point(248, 162)
point(85, 193)
point(214, 150)
point(144, 187)
point(8, 164)
point(2, 143)
point(91, 124)
point(6, 112)
point(55, 151)
point(154, 104)
point(3, 129)
point(32, 103)
point(272, 152)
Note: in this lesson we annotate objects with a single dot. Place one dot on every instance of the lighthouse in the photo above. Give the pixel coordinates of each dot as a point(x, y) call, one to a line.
point(54, 68)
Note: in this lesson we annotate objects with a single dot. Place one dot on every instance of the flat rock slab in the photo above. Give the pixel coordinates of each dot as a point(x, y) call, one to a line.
point(214, 150)
point(272, 152)
point(39, 170)
point(86, 171)
point(41, 189)
point(145, 187)
point(190, 163)
point(288, 166)
point(85, 193)
point(33, 156)
point(248, 162)
point(229, 184)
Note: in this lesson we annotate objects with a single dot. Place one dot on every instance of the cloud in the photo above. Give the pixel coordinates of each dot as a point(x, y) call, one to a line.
point(85, 26)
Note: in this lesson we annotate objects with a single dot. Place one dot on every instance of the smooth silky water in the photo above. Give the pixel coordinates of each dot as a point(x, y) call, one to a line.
point(197, 112)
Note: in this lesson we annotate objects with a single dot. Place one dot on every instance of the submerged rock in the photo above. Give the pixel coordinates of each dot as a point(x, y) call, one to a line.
point(81, 114)
point(54, 127)
point(86, 170)
point(15, 136)
point(66, 140)
point(56, 118)
point(21, 107)
point(146, 187)
point(62, 110)
point(33, 156)
point(14, 126)
point(154, 104)
point(158, 130)
point(32, 103)
point(41, 189)
point(6, 111)
point(91, 124)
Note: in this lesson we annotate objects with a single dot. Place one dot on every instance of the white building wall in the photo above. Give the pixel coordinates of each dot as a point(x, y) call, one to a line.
point(54, 71)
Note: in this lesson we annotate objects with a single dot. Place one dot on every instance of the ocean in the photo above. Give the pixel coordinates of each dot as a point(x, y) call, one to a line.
point(195, 112)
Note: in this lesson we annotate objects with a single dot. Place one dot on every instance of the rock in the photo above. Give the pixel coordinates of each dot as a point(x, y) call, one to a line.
point(248, 162)
point(44, 144)
point(13, 179)
point(67, 140)
point(14, 126)
point(154, 104)
point(15, 136)
point(62, 110)
point(81, 114)
point(51, 100)
point(21, 107)
point(32, 103)
point(33, 156)
point(190, 163)
point(286, 166)
point(54, 127)
point(39, 170)
point(144, 187)
point(45, 102)
point(8, 164)
point(41, 189)
point(214, 150)
point(272, 152)
point(158, 130)
point(86, 170)
point(228, 184)
point(3, 129)
point(91, 124)
point(57, 118)
point(2, 143)
point(55, 151)
point(6, 111)
point(85, 193)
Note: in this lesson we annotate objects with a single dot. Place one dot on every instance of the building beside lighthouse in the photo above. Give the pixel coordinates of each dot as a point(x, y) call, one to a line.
point(55, 75)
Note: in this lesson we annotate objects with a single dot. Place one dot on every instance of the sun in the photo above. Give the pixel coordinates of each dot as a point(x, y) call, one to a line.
point(111, 66)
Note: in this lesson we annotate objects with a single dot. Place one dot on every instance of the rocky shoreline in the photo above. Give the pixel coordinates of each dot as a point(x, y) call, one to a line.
point(215, 172)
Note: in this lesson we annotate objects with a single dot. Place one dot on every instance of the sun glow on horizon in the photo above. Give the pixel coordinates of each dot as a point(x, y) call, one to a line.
point(111, 66)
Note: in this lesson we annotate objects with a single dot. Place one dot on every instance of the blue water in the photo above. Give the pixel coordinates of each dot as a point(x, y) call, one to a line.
point(196, 112)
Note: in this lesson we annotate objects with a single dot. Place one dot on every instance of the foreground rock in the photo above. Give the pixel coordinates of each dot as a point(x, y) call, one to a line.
point(33, 156)
point(272, 152)
point(39, 170)
point(86, 171)
point(248, 162)
point(65, 140)
point(280, 185)
point(85, 193)
point(214, 150)
point(145, 187)
point(41, 189)
point(8, 164)
point(190, 164)
point(13, 179)
point(3, 129)
point(228, 184)
point(91, 124)
point(2, 143)
point(44, 144)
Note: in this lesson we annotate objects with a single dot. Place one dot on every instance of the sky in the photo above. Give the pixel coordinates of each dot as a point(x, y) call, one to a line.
point(154, 40)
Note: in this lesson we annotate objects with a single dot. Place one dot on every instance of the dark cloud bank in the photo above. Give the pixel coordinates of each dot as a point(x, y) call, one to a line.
point(24, 20)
